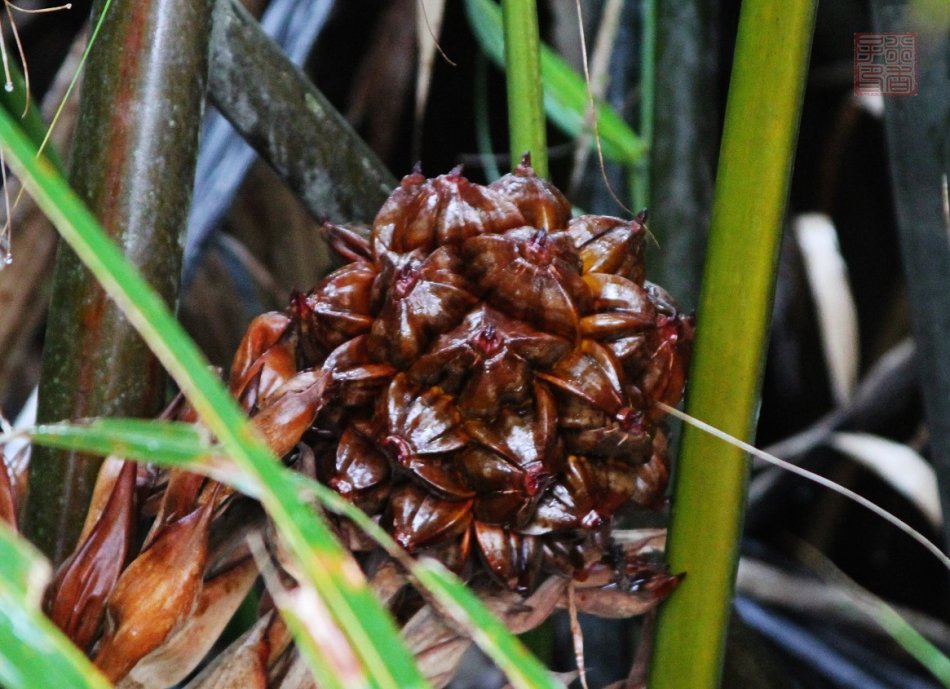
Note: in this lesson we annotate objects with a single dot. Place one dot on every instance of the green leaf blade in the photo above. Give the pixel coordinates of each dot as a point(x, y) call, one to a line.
point(33, 652)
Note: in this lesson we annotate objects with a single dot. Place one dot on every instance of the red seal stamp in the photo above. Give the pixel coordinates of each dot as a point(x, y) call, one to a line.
point(885, 64)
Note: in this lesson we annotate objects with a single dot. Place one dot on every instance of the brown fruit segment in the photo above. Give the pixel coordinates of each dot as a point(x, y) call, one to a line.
point(540, 202)
point(423, 296)
point(427, 214)
point(533, 276)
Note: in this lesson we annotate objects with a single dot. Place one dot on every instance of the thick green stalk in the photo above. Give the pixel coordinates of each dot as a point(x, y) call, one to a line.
point(762, 119)
point(133, 164)
point(525, 96)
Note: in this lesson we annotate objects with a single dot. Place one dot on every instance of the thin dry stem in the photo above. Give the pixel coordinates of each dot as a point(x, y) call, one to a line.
point(811, 476)
point(577, 634)
point(592, 106)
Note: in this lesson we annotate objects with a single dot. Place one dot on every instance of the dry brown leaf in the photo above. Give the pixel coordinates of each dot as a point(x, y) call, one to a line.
point(178, 499)
point(18, 467)
point(387, 581)
point(183, 650)
point(297, 674)
point(76, 600)
point(438, 648)
point(243, 665)
point(291, 410)
point(156, 594)
point(105, 482)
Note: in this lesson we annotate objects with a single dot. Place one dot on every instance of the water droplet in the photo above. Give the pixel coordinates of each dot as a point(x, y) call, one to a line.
point(5, 259)
point(8, 86)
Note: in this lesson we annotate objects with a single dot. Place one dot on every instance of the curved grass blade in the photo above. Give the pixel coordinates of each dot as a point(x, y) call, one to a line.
point(565, 93)
point(173, 444)
point(912, 641)
point(34, 654)
point(323, 563)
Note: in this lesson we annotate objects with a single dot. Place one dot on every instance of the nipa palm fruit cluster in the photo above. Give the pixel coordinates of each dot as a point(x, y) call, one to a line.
point(490, 371)
point(482, 377)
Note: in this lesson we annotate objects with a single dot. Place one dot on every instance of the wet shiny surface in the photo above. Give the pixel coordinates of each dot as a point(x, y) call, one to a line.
point(481, 377)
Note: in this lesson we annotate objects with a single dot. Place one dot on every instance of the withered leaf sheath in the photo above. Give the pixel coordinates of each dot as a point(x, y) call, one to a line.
point(492, 367)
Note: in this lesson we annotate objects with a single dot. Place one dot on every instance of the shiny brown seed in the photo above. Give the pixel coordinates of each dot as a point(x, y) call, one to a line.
point(338, 309)
point(424, 296)
point(513, 558)
point(610, 245)
point(533, 276)
point(419, 518)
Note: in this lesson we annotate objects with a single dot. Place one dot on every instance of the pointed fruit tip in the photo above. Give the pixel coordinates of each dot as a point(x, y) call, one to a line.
point(524, 169)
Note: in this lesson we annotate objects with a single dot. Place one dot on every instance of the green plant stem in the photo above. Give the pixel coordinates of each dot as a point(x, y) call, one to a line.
point(565, 91)
point(761, 127)
point(133, 164)
point(526, 121)
point(640, 171)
